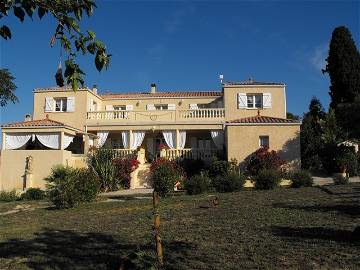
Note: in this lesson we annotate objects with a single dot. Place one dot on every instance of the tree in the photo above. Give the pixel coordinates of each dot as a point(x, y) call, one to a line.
point(343, 67)
point(292, 116)
point(7, 87)
point(68, 14)
point(310, 135)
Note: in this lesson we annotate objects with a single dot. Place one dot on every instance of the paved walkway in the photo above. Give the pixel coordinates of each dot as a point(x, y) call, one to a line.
point(127, 192)
point(321, 181)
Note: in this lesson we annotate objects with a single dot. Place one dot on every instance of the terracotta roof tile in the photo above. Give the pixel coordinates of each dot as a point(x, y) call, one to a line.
point(263, 119)
point(36, 123)
point(163, 94)
point(252, 82)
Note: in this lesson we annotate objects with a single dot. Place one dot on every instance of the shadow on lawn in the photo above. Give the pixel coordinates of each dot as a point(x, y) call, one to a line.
point(53, 249)
point(316, 233)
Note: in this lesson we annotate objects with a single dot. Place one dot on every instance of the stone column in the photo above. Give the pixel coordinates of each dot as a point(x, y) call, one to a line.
point(62, 135)
point(130, 138)
point(3, 140)
point(86, 138)
point(177, 139)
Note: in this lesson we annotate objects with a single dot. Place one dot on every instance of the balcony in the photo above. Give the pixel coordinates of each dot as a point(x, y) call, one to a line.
point(210, 114)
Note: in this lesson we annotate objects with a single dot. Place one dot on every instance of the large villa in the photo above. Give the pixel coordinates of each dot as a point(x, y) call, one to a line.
point(230, 123)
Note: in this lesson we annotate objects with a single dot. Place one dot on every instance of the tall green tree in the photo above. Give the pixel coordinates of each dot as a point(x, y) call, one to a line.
point(7, 87)
point(343, 67)
point(310, 135)
point(67, 14)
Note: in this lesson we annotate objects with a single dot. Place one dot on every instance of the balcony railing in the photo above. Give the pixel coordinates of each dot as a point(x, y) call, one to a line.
point(189, 153)
point(156, 116)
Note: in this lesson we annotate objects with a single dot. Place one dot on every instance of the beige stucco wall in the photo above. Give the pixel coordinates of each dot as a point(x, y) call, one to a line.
point(13, 166)
point(241, 141)
point(278, 106)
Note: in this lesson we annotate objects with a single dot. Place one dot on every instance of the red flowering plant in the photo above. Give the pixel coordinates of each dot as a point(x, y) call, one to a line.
point(165, 174)
point(124, 168)
point(263, 159)
point(163, 146)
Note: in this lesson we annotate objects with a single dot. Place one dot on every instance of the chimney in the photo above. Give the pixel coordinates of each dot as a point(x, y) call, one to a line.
point(153, 88)
point(28, 117)
point(94, 89)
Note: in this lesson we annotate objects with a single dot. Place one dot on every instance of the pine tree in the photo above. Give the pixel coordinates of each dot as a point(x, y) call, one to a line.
point(343, 67)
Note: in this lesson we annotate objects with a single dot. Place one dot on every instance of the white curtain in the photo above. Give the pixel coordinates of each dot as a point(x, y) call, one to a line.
point(218, 138)
point(182, 139)
point(16, 141)
point(137, 139)
point(49, 140)
point(170, 138)
point(67, 140)
point(102, 137)
point(125, 139)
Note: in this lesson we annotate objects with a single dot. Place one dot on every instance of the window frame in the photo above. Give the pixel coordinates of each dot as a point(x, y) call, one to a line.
point(261, 138)
point(253, 96)
point(63, 104)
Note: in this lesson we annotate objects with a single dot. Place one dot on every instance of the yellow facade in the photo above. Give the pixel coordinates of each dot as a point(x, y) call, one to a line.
point(85, 113)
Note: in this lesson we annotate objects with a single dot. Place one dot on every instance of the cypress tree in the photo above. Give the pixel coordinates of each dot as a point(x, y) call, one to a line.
point(343, 67)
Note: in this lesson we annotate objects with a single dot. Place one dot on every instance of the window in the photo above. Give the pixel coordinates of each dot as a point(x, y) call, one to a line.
point(119, 107)
point(204, 106)
point(264, 141)
point(161, 107)
point(60, 104)
point(254, 100)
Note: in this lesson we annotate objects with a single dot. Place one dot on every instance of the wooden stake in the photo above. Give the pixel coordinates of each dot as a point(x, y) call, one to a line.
point(156, 228)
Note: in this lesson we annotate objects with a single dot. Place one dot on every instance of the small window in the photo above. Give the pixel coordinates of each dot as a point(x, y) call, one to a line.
point(161, 107)
point(60, 104)
point(204, 106)
point(254, 101)
point(264, 141)
point(119, 107)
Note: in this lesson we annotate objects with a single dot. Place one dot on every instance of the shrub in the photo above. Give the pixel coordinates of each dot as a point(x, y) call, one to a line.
point(197, 184)
point(9, 196)
point(347, 159)
point(68, 187)
point(124, 168)
point(301, 178)
point(263, 159)
point(219, 168)
point(228, 183)
point(267, 179)
point(191, 167)
point(164, 175)
point(33, 194)
point(340, 179)
point(100, 161)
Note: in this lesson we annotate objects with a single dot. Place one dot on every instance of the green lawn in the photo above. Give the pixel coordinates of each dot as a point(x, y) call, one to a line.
point(304, 228)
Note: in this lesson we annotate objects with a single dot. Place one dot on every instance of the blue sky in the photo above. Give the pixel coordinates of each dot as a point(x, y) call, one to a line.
point(185, 45)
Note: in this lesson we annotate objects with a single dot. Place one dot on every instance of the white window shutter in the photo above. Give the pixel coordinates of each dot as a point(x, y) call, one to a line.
point(193, 107)
point(49, 104)
point(171, 107)
point(109, 108)
point(91, 105)
point(242, 101)
point(266, 100)
point(129, 107)
point(150, 107)
point(70, 104)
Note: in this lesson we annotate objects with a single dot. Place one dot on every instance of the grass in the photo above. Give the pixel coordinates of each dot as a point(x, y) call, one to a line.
point(306, 228)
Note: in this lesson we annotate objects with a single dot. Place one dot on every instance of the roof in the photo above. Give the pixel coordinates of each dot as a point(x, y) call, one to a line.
point(176, 94)
point(253, 82)
point(36, 123)
point(263, 120)
point(57, 88)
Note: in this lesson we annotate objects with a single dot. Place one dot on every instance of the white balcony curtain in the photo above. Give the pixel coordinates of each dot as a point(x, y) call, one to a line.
point(16, 141)
point(218, 138)
point(49, 140)
point(102, 138)
point(182, 139)
point(67, 140)
point(137, 139)
point(170, 138)
point(125, 139)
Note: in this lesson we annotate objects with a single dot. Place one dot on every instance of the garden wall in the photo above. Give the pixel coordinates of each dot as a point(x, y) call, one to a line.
point(12, 176)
